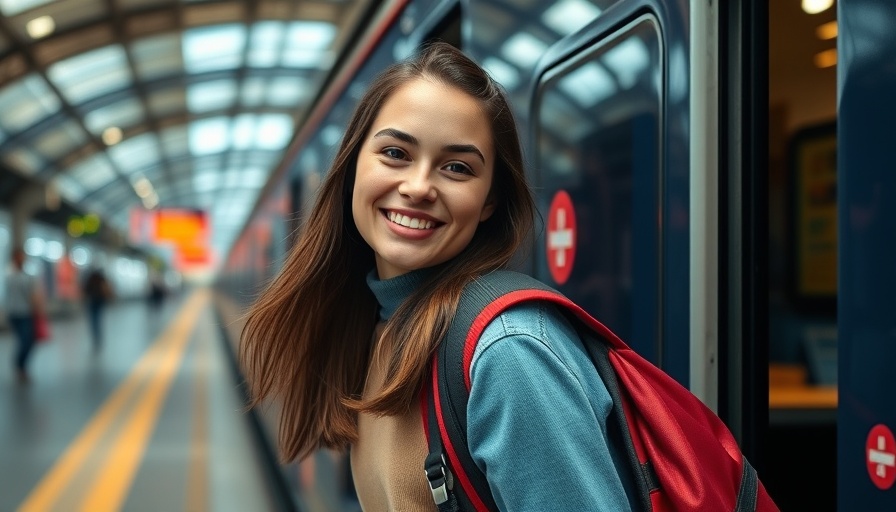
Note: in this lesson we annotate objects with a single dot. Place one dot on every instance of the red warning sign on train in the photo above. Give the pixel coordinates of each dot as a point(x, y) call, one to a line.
point(880, 454)
point(561, 237)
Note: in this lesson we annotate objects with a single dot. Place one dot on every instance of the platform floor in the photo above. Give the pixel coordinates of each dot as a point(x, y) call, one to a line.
point(151, 422)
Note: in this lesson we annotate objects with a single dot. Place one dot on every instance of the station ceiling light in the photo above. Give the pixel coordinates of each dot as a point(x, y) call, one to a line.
point(40, 27)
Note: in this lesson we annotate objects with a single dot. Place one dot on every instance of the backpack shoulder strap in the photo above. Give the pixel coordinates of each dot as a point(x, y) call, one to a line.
point(446, 413)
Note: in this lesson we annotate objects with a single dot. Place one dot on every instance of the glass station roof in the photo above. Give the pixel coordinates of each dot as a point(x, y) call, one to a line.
point(124, 104)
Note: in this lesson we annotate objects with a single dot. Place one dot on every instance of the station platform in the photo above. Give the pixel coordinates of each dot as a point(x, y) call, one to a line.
point(153, 421)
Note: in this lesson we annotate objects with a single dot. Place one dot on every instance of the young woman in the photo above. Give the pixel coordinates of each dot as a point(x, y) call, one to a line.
point(427, 192)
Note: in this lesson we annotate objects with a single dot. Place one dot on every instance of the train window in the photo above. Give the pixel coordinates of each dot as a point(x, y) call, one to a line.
point(598, 147)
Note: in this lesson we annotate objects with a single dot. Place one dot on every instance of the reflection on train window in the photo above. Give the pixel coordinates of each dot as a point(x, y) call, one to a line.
point(598, 140)
point(520, 31)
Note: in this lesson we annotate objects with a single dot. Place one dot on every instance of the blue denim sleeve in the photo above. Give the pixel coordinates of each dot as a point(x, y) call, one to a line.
point(537, 417)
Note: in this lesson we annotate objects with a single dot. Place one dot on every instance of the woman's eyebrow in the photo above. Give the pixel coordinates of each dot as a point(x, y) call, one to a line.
point(398, 134)
point(464, 148)
point(410, 139)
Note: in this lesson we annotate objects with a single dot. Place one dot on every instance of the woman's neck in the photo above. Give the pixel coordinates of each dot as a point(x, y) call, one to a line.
point(391, 293)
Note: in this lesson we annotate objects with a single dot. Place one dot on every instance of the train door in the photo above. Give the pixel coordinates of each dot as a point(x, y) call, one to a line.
point(611, 140)
point(600, 182)
point(646, 126)
point(866, 420)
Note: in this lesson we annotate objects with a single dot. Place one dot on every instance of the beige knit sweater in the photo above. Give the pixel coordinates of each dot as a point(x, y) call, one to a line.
point(387, 461)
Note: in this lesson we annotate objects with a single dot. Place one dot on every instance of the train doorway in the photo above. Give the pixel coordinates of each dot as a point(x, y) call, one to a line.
point(801, 468)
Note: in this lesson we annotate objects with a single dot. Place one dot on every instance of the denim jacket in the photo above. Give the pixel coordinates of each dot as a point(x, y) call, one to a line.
point(537, 417)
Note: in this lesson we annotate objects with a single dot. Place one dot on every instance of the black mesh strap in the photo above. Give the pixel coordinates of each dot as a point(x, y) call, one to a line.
point(438, 474)
point(749, 488)
point(645, 475)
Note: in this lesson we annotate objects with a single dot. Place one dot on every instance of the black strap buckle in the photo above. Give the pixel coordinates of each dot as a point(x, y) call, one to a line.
point(439, 476)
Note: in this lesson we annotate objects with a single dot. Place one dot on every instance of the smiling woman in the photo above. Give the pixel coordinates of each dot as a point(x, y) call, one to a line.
point(427, 194)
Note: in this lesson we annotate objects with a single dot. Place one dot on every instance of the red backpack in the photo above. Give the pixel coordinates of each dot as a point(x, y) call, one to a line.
point(681, 454)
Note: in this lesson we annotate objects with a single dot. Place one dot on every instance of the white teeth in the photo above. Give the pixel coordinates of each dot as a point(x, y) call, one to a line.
point(408, 222)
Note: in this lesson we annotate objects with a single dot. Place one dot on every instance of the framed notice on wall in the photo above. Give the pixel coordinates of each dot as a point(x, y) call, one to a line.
point(813, 173)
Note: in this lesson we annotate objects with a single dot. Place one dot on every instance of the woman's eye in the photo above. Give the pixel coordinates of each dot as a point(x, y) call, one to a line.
point(458, 168)
point(394, 153)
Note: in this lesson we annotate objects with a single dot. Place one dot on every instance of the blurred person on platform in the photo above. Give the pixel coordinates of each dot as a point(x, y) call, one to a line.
point(97, 293)
point(157, 292)
point(24, 301)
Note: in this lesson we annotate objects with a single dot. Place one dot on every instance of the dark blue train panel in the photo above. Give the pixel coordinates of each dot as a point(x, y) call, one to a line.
point(866, 452)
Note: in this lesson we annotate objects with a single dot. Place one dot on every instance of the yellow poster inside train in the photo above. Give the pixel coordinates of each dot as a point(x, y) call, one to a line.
point(817, 218)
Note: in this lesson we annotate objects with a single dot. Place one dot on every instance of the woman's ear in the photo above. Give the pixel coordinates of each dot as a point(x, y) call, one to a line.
point(488, 208)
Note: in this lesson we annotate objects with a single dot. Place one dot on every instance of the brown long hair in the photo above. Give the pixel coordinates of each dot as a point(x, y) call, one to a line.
point(307, 338)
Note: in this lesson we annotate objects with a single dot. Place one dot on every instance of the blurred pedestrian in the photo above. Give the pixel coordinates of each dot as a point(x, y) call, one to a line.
point(157, 292)
point(97, 293)
point(24, 302)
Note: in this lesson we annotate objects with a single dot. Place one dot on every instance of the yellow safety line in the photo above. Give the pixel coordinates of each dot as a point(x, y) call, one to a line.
point(54, 482)
point(113, 481)
point(197, 476)
point(51, 487)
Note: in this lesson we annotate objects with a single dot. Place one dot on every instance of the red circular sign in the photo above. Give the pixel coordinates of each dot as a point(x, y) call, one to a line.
point(561, 239)
point(880, 455)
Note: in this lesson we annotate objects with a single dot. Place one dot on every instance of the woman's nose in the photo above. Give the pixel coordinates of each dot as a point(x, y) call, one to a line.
point(417, 185)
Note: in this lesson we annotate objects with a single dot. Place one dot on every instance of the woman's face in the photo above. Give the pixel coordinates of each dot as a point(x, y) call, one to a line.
point(423, 177)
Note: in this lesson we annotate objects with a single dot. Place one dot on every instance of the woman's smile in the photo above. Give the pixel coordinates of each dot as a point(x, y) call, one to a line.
point(411, 220)
point(409, 226)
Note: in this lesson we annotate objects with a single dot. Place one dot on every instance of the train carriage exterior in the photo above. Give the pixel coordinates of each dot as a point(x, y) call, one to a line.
point(866, 452)
point(645, 135)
